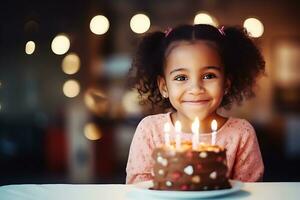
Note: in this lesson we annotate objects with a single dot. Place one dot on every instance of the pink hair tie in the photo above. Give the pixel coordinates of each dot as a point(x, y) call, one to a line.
point(167, 31)
point(221, 30)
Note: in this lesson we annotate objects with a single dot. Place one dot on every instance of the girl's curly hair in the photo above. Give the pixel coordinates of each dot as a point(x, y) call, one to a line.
point(242, 60)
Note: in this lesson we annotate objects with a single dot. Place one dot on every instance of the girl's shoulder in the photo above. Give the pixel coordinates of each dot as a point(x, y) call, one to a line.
point(241, 126)
point(239, 123)
point(155, 120)
point(151, 127)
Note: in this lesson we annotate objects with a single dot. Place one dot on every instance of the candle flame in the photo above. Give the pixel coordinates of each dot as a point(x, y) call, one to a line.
point(167, 127)
point(214, 125)
point(195, 125)
point(177, 126)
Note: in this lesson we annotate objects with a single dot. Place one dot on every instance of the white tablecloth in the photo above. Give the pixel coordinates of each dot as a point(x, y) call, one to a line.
point(256, 191)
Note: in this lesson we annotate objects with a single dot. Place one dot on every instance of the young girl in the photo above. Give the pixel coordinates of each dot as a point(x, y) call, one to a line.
point(194, 70)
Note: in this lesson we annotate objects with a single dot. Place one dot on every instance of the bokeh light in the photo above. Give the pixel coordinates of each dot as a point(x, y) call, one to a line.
point(71, 63)
point(92, 132)
point(287, 57)
point(29, 47)
point(60, 44)
point(96, 101)
point(99, 25)
point(254, 27)
point(71, 88)
point(140, 23)
point(205, 18)
point(130, 103)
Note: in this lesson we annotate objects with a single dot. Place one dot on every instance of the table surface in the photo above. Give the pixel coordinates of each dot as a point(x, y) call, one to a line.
point(262, 190)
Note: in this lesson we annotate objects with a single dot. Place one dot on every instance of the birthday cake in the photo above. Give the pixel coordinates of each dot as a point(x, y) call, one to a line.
point(186, 169)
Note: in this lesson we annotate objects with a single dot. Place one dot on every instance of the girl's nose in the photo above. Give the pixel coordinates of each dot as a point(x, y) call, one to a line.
point(197, 88)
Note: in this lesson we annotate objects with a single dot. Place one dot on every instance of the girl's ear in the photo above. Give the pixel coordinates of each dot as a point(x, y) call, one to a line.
point(161, 82)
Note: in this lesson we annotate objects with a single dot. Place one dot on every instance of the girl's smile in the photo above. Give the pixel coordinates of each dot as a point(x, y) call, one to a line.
point(196, 102)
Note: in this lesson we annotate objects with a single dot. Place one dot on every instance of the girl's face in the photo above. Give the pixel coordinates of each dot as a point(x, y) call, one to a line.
point(193, 80)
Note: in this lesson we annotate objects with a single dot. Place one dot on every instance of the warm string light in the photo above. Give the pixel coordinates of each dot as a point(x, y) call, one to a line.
point(205, 18)
point(140, 23)
point(254, 27)
point(71, 88)
point(60, 44)
point(99, 25)
point(29, 47)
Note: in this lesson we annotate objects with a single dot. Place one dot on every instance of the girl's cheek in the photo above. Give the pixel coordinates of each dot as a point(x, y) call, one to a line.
point(215, 89)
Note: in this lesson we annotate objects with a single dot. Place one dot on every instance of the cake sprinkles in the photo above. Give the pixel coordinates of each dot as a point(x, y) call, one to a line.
point(186, 169)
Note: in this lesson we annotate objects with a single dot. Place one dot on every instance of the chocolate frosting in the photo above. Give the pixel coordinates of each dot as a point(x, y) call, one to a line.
point(186, 169)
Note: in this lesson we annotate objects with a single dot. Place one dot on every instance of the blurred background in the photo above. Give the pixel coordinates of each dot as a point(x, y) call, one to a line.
point(66, 115)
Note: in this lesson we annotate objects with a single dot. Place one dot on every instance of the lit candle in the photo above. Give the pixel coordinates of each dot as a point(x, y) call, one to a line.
point(178, 130)
point(195, 130)
point(167, 135)
point(214, 127)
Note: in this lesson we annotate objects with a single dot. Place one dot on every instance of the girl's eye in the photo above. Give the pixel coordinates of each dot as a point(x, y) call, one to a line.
point(209, 76)
point(180, 78)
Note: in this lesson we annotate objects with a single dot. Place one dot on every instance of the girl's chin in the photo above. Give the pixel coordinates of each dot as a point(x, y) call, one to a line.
point(201, 116)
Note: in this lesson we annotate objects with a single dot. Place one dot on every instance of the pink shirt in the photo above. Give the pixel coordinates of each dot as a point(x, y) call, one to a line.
point(236, 135)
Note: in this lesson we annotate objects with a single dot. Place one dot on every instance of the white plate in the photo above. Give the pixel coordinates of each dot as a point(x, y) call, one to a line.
point(142, 188)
